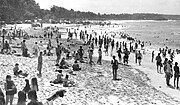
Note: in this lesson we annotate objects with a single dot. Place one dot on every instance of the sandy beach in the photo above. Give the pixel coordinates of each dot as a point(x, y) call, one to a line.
point(94, 86)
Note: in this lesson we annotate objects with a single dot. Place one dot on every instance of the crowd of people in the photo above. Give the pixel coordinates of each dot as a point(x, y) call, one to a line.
point(102, 42)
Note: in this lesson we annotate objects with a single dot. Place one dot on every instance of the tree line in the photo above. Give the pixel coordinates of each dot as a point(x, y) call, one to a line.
point(20, 10)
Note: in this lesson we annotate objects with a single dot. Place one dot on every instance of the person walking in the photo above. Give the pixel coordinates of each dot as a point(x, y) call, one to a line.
point(158, 63)
point(39, 68)
point(176, 75)
point(114, 63)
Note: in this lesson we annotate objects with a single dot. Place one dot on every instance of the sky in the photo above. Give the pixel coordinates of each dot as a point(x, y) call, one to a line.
point(116, 6)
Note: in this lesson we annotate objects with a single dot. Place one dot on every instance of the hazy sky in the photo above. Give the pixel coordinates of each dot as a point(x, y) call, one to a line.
point(116, 6)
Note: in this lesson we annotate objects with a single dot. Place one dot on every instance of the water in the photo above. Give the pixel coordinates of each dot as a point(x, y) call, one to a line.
point(159, 33)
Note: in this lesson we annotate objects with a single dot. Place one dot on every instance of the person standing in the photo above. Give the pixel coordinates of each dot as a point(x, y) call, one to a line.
point(176, 74)
point(9, 88)
point(23, 48)
point(158, 63)
point(49, 47)
point(2, 100)
point(114, 63)
point(126, 56)
point(32, 95)
point(27, 87)
point(36, 49)
point(119, 55)
point(152, 56)
point(117, 45)
point(100, 56)
point(136, 56)
point(21, 98)
point(81, 53)
point(112, 46)
point(90, 53)
point(39, 68)
point(34, 84)
point(106, 49)
point(58, 54)
point(168, 73)
point(139, 57)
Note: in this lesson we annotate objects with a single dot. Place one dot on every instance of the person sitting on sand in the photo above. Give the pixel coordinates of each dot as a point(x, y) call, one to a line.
point(7, 48)
point(59, 78)
point(63, 64)
point(76, 66)
point(67, 82)
point(18, 72)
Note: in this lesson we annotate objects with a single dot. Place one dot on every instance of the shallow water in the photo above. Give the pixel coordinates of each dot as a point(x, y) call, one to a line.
point(159, 33)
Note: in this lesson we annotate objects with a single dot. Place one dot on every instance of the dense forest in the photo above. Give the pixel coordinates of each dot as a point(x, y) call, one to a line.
point(20, 10)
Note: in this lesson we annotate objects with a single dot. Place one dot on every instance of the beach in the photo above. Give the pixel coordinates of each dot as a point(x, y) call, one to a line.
point(139, 84)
